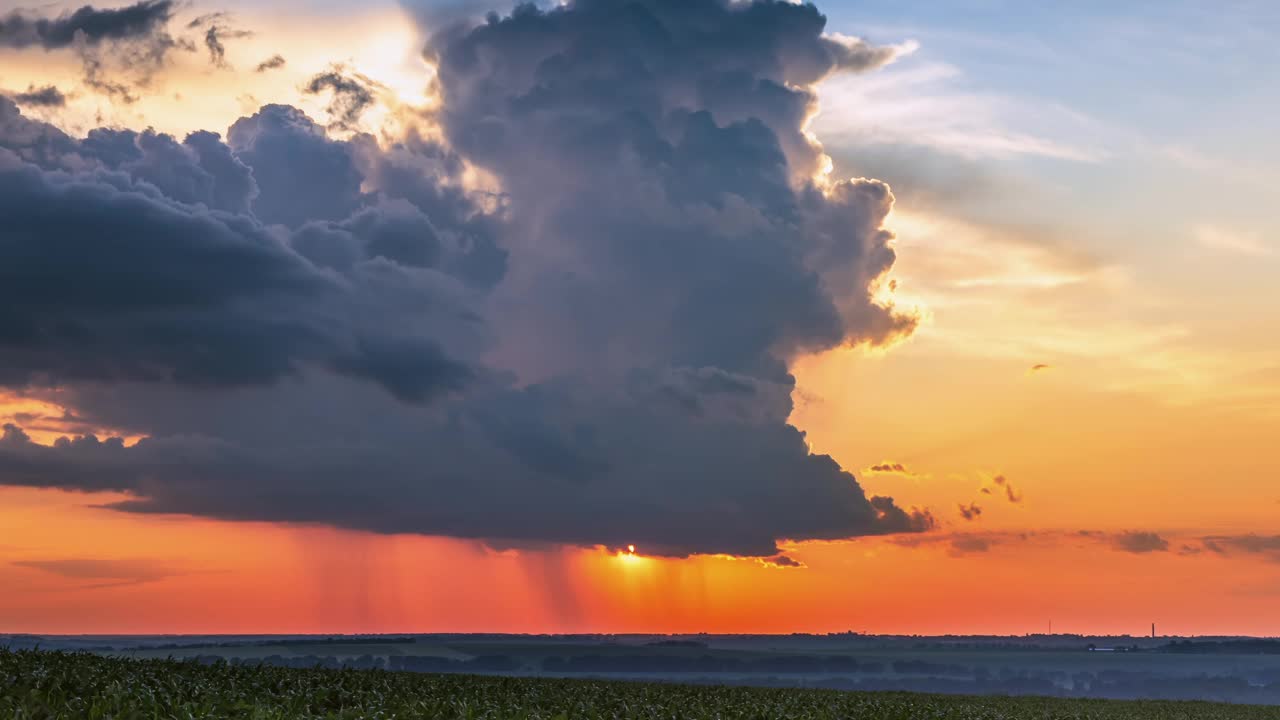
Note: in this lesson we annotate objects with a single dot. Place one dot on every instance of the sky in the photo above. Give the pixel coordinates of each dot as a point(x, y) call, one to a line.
point(894, 317)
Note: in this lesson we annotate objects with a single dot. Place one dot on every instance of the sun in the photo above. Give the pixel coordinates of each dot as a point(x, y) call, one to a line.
point(628, 556)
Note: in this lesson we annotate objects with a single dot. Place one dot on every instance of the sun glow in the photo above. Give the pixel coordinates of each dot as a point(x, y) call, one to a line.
point(395, 60)
point(629, 558)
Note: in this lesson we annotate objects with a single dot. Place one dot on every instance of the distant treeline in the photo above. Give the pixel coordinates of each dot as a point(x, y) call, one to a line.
point(378, 640)
point(627, 664)
point(780, 664)
point(411, 663)
point(677, 643)
point(1225, 647)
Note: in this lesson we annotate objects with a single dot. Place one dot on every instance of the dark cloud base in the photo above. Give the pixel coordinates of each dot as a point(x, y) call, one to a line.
point(47, 96)
point(315, 330)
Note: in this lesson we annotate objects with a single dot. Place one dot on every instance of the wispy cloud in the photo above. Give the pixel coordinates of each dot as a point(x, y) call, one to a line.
point(1000, 485)
point(98, 572)
point(889, 468)
point(927, 103)
point(1134, 542)
point(1239, 242)
point(1267, 546)
point(1139, 542)
point(780, 561)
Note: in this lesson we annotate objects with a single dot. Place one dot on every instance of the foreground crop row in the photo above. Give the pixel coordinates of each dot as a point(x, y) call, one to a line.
point(81, 686)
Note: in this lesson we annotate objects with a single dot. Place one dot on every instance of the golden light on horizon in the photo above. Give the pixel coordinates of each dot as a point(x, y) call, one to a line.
point(629, 558)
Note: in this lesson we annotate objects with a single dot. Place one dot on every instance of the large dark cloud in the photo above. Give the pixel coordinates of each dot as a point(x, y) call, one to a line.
point(86, 25)
point(548, 463)
point(302, 174)
point(130, 269)
point(662, 146)
point(589, 345)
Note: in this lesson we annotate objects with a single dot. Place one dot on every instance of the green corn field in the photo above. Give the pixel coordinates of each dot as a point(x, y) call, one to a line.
point(81, 686)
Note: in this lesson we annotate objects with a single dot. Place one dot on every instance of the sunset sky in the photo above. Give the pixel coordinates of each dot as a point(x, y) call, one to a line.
point(571, 279)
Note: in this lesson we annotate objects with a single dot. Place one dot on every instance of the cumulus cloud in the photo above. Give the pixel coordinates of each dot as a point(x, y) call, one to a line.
point(1140, 542)
point(229, 302)
point(680, 127)
point(782, 561)
point(594, 349)
point(302, 175)
point(972, 511)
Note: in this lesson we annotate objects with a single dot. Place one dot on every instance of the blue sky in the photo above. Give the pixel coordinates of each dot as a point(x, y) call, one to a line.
point(1151, 87)
point(1137, 133)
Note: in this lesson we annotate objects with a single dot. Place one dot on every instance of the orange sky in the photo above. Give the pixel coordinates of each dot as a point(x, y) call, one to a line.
point(1070, 455)
point(1149, 417)
point(179, 575)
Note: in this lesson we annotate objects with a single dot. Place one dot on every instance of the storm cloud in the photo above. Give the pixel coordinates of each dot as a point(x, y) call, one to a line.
point(138, 268)
point(592, 349)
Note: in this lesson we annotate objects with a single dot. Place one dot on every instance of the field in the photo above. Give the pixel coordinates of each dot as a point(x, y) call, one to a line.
point(80, 686)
